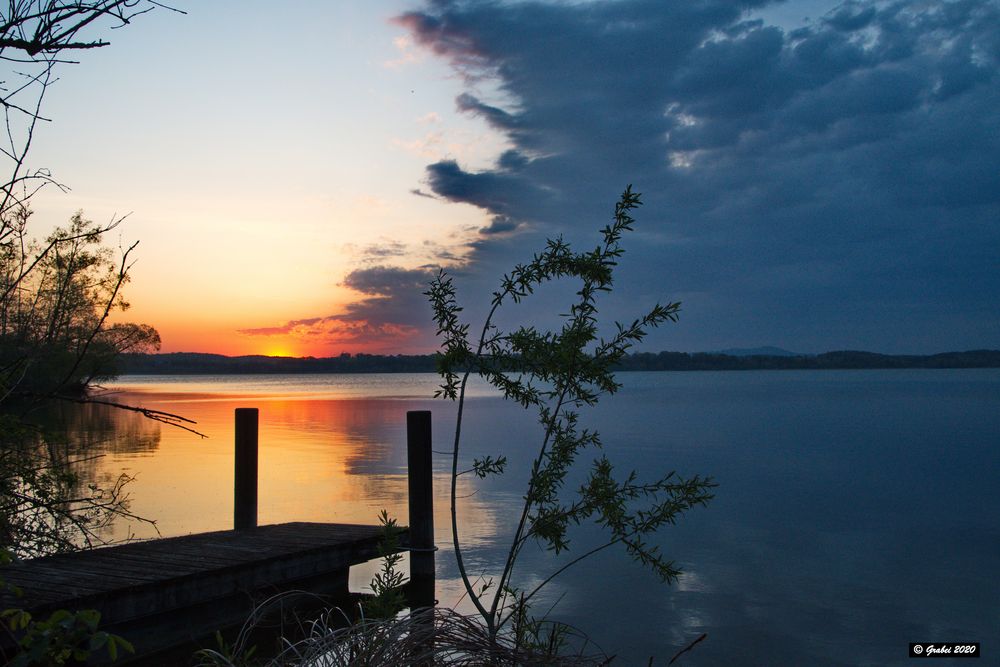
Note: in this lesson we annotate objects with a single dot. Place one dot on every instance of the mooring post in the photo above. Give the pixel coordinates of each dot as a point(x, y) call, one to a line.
point(245, 477)
point(418, 457)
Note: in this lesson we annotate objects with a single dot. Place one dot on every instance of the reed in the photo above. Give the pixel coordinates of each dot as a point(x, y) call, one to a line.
point(437, 636)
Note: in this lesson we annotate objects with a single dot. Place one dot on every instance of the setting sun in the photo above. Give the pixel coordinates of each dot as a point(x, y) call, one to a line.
point(280, 351)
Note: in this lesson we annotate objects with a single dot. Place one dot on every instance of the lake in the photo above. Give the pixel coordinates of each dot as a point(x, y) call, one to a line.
point(857, 511)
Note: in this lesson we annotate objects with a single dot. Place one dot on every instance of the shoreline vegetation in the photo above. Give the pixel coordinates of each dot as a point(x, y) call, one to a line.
point(197, 363)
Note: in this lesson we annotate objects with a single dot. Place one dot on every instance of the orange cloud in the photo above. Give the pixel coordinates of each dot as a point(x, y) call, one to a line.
point(393, 316)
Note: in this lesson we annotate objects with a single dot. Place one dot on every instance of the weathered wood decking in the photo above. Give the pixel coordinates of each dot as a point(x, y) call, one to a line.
point(166, 591)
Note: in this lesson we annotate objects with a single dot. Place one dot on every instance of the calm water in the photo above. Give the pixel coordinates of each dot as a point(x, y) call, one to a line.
point(857, 510)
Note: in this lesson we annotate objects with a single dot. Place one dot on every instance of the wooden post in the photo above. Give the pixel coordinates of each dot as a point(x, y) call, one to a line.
point(418, 457)
point(245, 477)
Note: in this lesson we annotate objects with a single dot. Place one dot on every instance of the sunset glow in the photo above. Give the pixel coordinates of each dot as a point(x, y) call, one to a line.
point(250, 229)
point(816, 175)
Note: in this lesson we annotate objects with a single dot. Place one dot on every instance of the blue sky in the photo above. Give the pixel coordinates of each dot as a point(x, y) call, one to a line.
point(816, 175)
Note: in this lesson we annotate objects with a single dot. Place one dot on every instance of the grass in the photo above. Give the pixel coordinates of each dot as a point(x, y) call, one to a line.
point(438, 636)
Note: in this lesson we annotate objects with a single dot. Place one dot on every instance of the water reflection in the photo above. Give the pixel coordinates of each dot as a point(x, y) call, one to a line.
point(857, 510)
point(86, 428)
point(323, 460)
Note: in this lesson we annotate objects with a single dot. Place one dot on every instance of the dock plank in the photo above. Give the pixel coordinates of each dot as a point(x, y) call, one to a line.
point(134, 584)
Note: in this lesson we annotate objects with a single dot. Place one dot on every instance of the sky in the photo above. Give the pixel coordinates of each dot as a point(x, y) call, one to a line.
point(816, 175)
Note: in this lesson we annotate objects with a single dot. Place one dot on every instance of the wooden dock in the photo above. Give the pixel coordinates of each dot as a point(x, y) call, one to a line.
point(168, 593)
point(172, 591)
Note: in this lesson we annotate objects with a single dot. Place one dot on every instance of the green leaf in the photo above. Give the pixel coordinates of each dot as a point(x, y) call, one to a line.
point(97, 640)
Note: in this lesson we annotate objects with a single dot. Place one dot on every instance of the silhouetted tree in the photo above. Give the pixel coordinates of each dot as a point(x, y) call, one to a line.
point(53, 337)
point(56, 295)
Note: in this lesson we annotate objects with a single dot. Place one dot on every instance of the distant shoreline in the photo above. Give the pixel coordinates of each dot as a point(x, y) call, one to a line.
point(197, 363)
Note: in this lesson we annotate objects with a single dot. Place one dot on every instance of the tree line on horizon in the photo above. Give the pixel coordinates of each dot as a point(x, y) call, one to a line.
point(192, 363)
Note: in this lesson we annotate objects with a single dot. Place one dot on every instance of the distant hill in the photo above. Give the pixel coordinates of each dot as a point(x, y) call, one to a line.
point(681, 361)
point(766, 351)
point(196, 363)
point(199, 363)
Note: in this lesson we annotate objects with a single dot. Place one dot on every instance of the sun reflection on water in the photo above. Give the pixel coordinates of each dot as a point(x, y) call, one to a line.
point(322, 460)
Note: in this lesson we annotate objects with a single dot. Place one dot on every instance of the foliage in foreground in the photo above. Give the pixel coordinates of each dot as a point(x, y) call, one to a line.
point(387, 597)
point(384, 633)
point(437, 636)
point(556, 373)
point(62, 638)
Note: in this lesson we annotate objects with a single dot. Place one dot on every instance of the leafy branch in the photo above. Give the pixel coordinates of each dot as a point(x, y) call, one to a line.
point(557, 373)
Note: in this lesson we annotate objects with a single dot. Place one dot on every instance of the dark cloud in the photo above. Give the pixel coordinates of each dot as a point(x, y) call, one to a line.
point(421, 193)
point(499, 225)
point(394, 312)
point(851, 16)
point(499, 192)
point(512, 160)
point(392, 317)
point(389, 281)
point(824, 186)
point(495, 116)
point(444, 255)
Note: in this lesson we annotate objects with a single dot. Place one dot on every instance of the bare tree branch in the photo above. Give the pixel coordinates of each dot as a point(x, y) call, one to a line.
point(57, 295)
point(156, 415)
